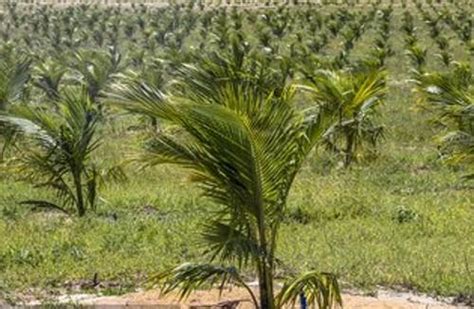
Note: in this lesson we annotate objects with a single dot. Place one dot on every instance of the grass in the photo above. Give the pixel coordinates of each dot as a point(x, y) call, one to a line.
point(404, 220)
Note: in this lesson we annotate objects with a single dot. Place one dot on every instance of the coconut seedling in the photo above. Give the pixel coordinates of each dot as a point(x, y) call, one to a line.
point(243, 142)
point(450, 96)
point(56, 150)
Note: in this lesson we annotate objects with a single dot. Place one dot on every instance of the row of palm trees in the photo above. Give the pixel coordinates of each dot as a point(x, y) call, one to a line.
point(456, 18)
point(154, 28)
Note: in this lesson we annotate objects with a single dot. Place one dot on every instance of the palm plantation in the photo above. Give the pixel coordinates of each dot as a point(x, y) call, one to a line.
point(312, 168)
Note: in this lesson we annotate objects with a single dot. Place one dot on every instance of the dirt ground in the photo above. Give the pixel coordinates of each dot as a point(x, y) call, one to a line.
point(211, 299)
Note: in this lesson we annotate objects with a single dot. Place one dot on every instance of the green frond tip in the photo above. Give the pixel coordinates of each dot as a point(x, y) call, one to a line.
point(320, 289)
point(190, 277)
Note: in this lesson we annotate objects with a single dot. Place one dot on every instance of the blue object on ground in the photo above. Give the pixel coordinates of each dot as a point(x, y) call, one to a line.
point(303, 302)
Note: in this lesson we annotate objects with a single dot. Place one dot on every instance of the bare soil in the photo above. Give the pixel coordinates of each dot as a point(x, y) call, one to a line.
point(211, 299)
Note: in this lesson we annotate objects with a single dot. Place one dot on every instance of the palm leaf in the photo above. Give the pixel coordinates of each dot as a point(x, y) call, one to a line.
point(229, 243)
point(191, 277)
point(320, 289)
point(13, 77)
point(451, 97)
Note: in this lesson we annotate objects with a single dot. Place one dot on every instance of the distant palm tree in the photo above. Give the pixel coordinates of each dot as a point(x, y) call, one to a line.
point(94, 70)
point(47, 76)
point(244, 150)
point(353, 98)
point(417, 57)
point(151, 75)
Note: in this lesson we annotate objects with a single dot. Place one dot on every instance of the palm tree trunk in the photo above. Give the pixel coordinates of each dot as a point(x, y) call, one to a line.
point(81, 209)
point(267, 300)
point(265, 273)
point(348, 153)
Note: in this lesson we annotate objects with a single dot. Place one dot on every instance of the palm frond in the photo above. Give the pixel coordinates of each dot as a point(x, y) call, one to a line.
point(321, 290)
point(230, 242)
point(136, 95)
point(13, 77)
point(188, 277)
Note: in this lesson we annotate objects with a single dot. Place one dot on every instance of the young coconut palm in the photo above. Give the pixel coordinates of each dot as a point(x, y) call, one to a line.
point(57, 151)
point(151, 76)
point(451, 96)
point(445, 57)
point(417, 57)
point(47, 77)
point(94, 70)
point(353, 97)
point(235, 68)
point(244, 151)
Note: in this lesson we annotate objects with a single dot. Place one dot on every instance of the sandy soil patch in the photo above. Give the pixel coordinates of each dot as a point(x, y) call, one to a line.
point(211, 299)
